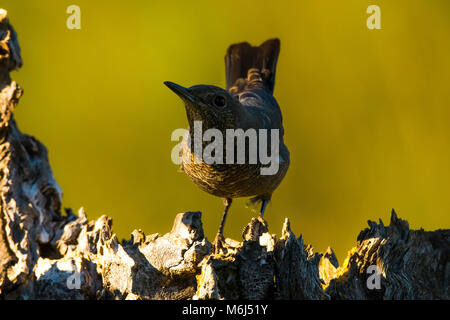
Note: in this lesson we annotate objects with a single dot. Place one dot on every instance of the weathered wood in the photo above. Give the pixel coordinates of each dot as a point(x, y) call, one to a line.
point(47, 254)
point(414, 264)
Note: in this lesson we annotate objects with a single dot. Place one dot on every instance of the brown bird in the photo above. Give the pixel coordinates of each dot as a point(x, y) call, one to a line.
point(248, 103)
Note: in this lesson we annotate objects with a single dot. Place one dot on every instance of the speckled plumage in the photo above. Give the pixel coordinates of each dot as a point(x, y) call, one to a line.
point(247, 103)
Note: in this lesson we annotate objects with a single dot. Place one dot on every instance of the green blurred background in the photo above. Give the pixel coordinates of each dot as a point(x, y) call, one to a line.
point(366, 112)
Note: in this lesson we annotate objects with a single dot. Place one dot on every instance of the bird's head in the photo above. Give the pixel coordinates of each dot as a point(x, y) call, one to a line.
point(214, 106)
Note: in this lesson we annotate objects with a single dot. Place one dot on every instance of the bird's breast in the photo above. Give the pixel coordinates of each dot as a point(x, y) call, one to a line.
point(230, 180)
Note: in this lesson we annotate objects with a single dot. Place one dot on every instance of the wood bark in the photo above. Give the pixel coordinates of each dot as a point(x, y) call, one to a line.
point(48, 254)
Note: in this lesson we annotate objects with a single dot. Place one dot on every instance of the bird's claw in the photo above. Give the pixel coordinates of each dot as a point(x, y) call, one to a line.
point(218, 244)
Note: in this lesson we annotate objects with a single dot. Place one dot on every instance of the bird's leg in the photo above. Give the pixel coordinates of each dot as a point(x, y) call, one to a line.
point(263, 207)
point(218, 241)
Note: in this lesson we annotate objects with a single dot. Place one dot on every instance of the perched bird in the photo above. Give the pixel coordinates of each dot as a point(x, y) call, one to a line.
point(247, 103)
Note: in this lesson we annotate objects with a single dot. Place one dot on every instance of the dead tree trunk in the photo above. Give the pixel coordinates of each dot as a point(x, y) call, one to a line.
point(45, 254)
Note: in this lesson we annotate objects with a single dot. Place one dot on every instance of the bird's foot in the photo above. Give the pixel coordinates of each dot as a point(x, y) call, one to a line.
point(219, 244)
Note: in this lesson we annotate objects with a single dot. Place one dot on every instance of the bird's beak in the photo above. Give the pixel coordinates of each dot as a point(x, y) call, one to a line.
point(182, 92)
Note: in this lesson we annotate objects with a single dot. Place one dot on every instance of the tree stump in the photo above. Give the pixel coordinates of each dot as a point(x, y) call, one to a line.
point(47, 254)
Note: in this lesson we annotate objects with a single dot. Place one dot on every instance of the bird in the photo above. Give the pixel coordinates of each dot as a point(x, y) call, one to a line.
point(246, 103)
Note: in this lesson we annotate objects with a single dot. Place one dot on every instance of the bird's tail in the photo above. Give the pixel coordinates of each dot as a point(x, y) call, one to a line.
point(242, 57)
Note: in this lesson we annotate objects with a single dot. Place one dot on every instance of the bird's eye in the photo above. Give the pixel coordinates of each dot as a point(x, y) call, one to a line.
point(220, 101)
